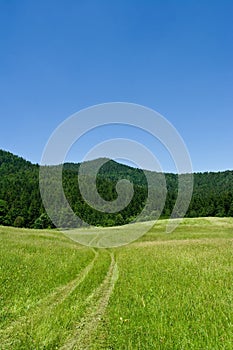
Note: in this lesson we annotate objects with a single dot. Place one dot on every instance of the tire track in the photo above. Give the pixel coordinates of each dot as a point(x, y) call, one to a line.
point(96, 238)
point(49, 303)
point(96, 306)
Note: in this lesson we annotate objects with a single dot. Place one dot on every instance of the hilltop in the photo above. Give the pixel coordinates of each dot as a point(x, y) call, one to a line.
point(21, 205)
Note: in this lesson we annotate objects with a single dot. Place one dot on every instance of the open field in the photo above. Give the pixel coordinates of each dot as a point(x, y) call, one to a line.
point(164, 291)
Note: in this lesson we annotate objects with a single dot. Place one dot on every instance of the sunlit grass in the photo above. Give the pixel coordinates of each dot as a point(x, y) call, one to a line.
point(174, 291)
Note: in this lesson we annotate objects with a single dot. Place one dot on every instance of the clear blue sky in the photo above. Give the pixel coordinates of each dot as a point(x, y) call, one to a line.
point(176, 57)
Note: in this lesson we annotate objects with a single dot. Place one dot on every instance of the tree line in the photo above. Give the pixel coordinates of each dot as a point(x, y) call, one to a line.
point(21, 204)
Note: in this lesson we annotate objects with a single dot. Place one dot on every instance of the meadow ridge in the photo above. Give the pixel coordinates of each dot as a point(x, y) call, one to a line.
point(163, 291)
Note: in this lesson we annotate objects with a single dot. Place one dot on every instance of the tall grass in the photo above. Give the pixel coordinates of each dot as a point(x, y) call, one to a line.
point(174, 291)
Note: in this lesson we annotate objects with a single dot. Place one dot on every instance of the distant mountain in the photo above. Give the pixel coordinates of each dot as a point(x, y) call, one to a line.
point(21, 205)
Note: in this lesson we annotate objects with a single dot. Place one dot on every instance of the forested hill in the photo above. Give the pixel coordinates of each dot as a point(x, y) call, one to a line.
point(21, 205)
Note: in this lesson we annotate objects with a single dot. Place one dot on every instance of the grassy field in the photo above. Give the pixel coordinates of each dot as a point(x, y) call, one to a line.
point(164, 291)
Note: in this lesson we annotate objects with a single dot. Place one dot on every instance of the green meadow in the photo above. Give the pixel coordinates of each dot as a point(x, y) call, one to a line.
point(164, 291)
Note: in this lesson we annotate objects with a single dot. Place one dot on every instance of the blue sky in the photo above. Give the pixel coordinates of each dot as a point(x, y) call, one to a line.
point(176, 57)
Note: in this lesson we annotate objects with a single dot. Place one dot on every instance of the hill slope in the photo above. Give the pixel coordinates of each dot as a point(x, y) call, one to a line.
point(21, 205)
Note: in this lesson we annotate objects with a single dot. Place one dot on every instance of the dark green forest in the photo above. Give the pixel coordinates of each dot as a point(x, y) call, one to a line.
point(21, 204)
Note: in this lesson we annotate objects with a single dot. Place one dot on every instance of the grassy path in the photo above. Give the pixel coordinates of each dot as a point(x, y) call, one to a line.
point(44, 306)
point(97, 303)
point(80, 299)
